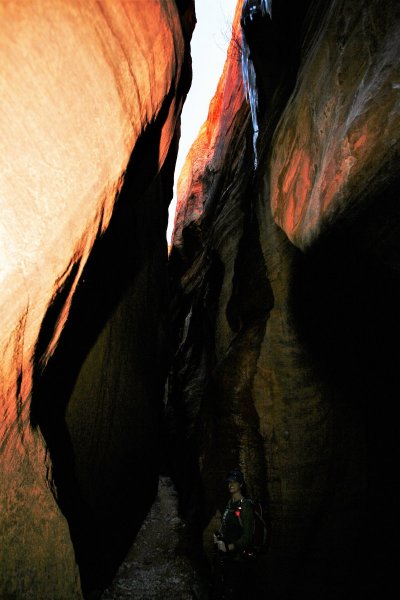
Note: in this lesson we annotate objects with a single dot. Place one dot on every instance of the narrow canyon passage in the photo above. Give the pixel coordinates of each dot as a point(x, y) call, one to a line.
point(155, 567)
point(135, 376)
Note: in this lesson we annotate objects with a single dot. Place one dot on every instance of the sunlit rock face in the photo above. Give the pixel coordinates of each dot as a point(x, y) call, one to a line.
point(91, 95)
point(201, 172)
point(286, 287)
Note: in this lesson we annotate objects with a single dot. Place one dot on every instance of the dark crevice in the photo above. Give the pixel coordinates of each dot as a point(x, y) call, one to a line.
point(209, 397)
point(230, 396)
point(187, 383)
point(275, 50)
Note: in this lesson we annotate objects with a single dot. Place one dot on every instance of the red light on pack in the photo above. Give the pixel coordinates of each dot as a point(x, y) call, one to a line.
point(237, 513)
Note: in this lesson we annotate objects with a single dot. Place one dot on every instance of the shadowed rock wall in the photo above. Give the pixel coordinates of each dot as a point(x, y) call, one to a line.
point(285, 293)
point(91, 99)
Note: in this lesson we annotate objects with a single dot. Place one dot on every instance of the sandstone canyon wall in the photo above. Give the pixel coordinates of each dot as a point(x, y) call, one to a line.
point(286, 289)
point(91, 94)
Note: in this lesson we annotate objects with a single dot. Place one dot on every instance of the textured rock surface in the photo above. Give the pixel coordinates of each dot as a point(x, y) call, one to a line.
point(333, 152)
point(283, 357)
point(83, 84)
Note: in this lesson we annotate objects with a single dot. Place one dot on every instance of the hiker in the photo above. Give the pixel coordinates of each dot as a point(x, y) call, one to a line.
point(234, 537)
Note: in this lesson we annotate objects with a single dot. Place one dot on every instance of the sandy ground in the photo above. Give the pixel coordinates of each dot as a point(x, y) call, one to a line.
point(154, 569)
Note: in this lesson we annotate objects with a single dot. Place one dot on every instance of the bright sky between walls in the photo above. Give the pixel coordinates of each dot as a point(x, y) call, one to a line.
point(209, 45)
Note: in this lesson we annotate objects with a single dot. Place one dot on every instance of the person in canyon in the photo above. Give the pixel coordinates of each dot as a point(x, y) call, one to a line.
point(233, 542)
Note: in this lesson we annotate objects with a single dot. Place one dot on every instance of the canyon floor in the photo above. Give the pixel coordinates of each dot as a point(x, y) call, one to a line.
point(155, 568)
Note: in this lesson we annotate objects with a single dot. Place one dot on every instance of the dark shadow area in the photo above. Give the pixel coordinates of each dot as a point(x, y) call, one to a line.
point(345, 301)
point(193, 340)
point(229, 414)
point(275, 51)
point(187, 382)
point(252, 297)
point(103, 523)
point(209, 395)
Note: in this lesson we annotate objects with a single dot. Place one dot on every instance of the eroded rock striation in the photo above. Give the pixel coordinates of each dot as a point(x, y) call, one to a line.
point(91, 98)
point(285, 291)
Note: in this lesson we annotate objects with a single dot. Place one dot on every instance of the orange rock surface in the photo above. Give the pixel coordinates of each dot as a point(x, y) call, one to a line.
point(80, 81)
point(210, 145)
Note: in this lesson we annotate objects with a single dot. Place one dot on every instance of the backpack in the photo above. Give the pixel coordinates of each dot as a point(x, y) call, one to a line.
point(260, 532)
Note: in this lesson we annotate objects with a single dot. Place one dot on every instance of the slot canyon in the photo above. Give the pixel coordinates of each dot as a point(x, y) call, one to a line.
point(265, 336)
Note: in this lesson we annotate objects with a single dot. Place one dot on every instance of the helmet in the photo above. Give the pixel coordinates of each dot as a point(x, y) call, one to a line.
point(235, 475)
